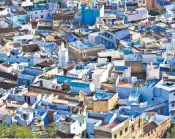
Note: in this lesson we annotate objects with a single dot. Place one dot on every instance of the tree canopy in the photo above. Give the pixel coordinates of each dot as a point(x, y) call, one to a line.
point(49, 131)
point(15, 131)
point(170, 133)
point(154, 12)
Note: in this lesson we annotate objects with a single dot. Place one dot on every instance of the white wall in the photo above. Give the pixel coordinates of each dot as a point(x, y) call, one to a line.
point(23, 37)
point(33, 99)
point(26, 3)
point(48, 83)
point(15, 59)
point(3, 24)
point(102, 60)
point(94, 37)
point(141, 14)
point(152, 73)
point(38, 13)
point(99, 78)
point(4, 12)
point(135, 36)
point(6, 69)
point(148, 58)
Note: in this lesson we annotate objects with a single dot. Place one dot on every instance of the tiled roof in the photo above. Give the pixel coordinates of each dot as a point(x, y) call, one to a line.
point(6, 85)
point(45, 63)
point(64, 135)
point(30, 48)
point(8, 76)
point(149, 127)
point(7, 30)
point(63, 17)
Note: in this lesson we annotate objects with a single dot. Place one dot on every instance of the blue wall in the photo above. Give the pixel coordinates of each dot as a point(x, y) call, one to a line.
point(89, 15)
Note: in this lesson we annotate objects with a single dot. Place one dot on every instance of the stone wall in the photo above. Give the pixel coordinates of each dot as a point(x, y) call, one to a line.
point(136, 66)
point(105, 105)
point(100, 106)
point(46, 91)
point(130, 129)
point(159, 131)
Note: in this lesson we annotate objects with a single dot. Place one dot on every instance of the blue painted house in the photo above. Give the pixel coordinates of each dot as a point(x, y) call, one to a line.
point(89, 15)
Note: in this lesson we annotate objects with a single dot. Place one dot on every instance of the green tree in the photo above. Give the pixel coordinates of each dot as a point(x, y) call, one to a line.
point(163, 10)
point(154, 12)
point(28, 83)
point(50, 131)
point(59, 2)
point(170, 133)
point(15, 131)
point(4, 130)
point(170, 72)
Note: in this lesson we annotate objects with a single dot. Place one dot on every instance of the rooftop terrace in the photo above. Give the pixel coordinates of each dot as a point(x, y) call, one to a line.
point(83, 45)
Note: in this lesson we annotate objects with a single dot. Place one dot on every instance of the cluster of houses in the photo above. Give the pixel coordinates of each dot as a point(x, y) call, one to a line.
point(99, 69)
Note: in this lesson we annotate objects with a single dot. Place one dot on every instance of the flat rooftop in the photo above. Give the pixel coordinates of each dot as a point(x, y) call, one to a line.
point(31, 94)
point(83, 44)
point(98, 71)
point(47, 77)
point(102, 96)
point(112, 125)
point(124, 84)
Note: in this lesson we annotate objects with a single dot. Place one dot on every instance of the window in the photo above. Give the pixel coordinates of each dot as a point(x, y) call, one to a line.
point(28, 59)
point(41, 16)
point(132, 127)
point(151, 132)
point(126, 129)
point(162, 110)
point(115, 136)
point(139, 123)
point(35, 12)
point(120, 133)
point(148, 134)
